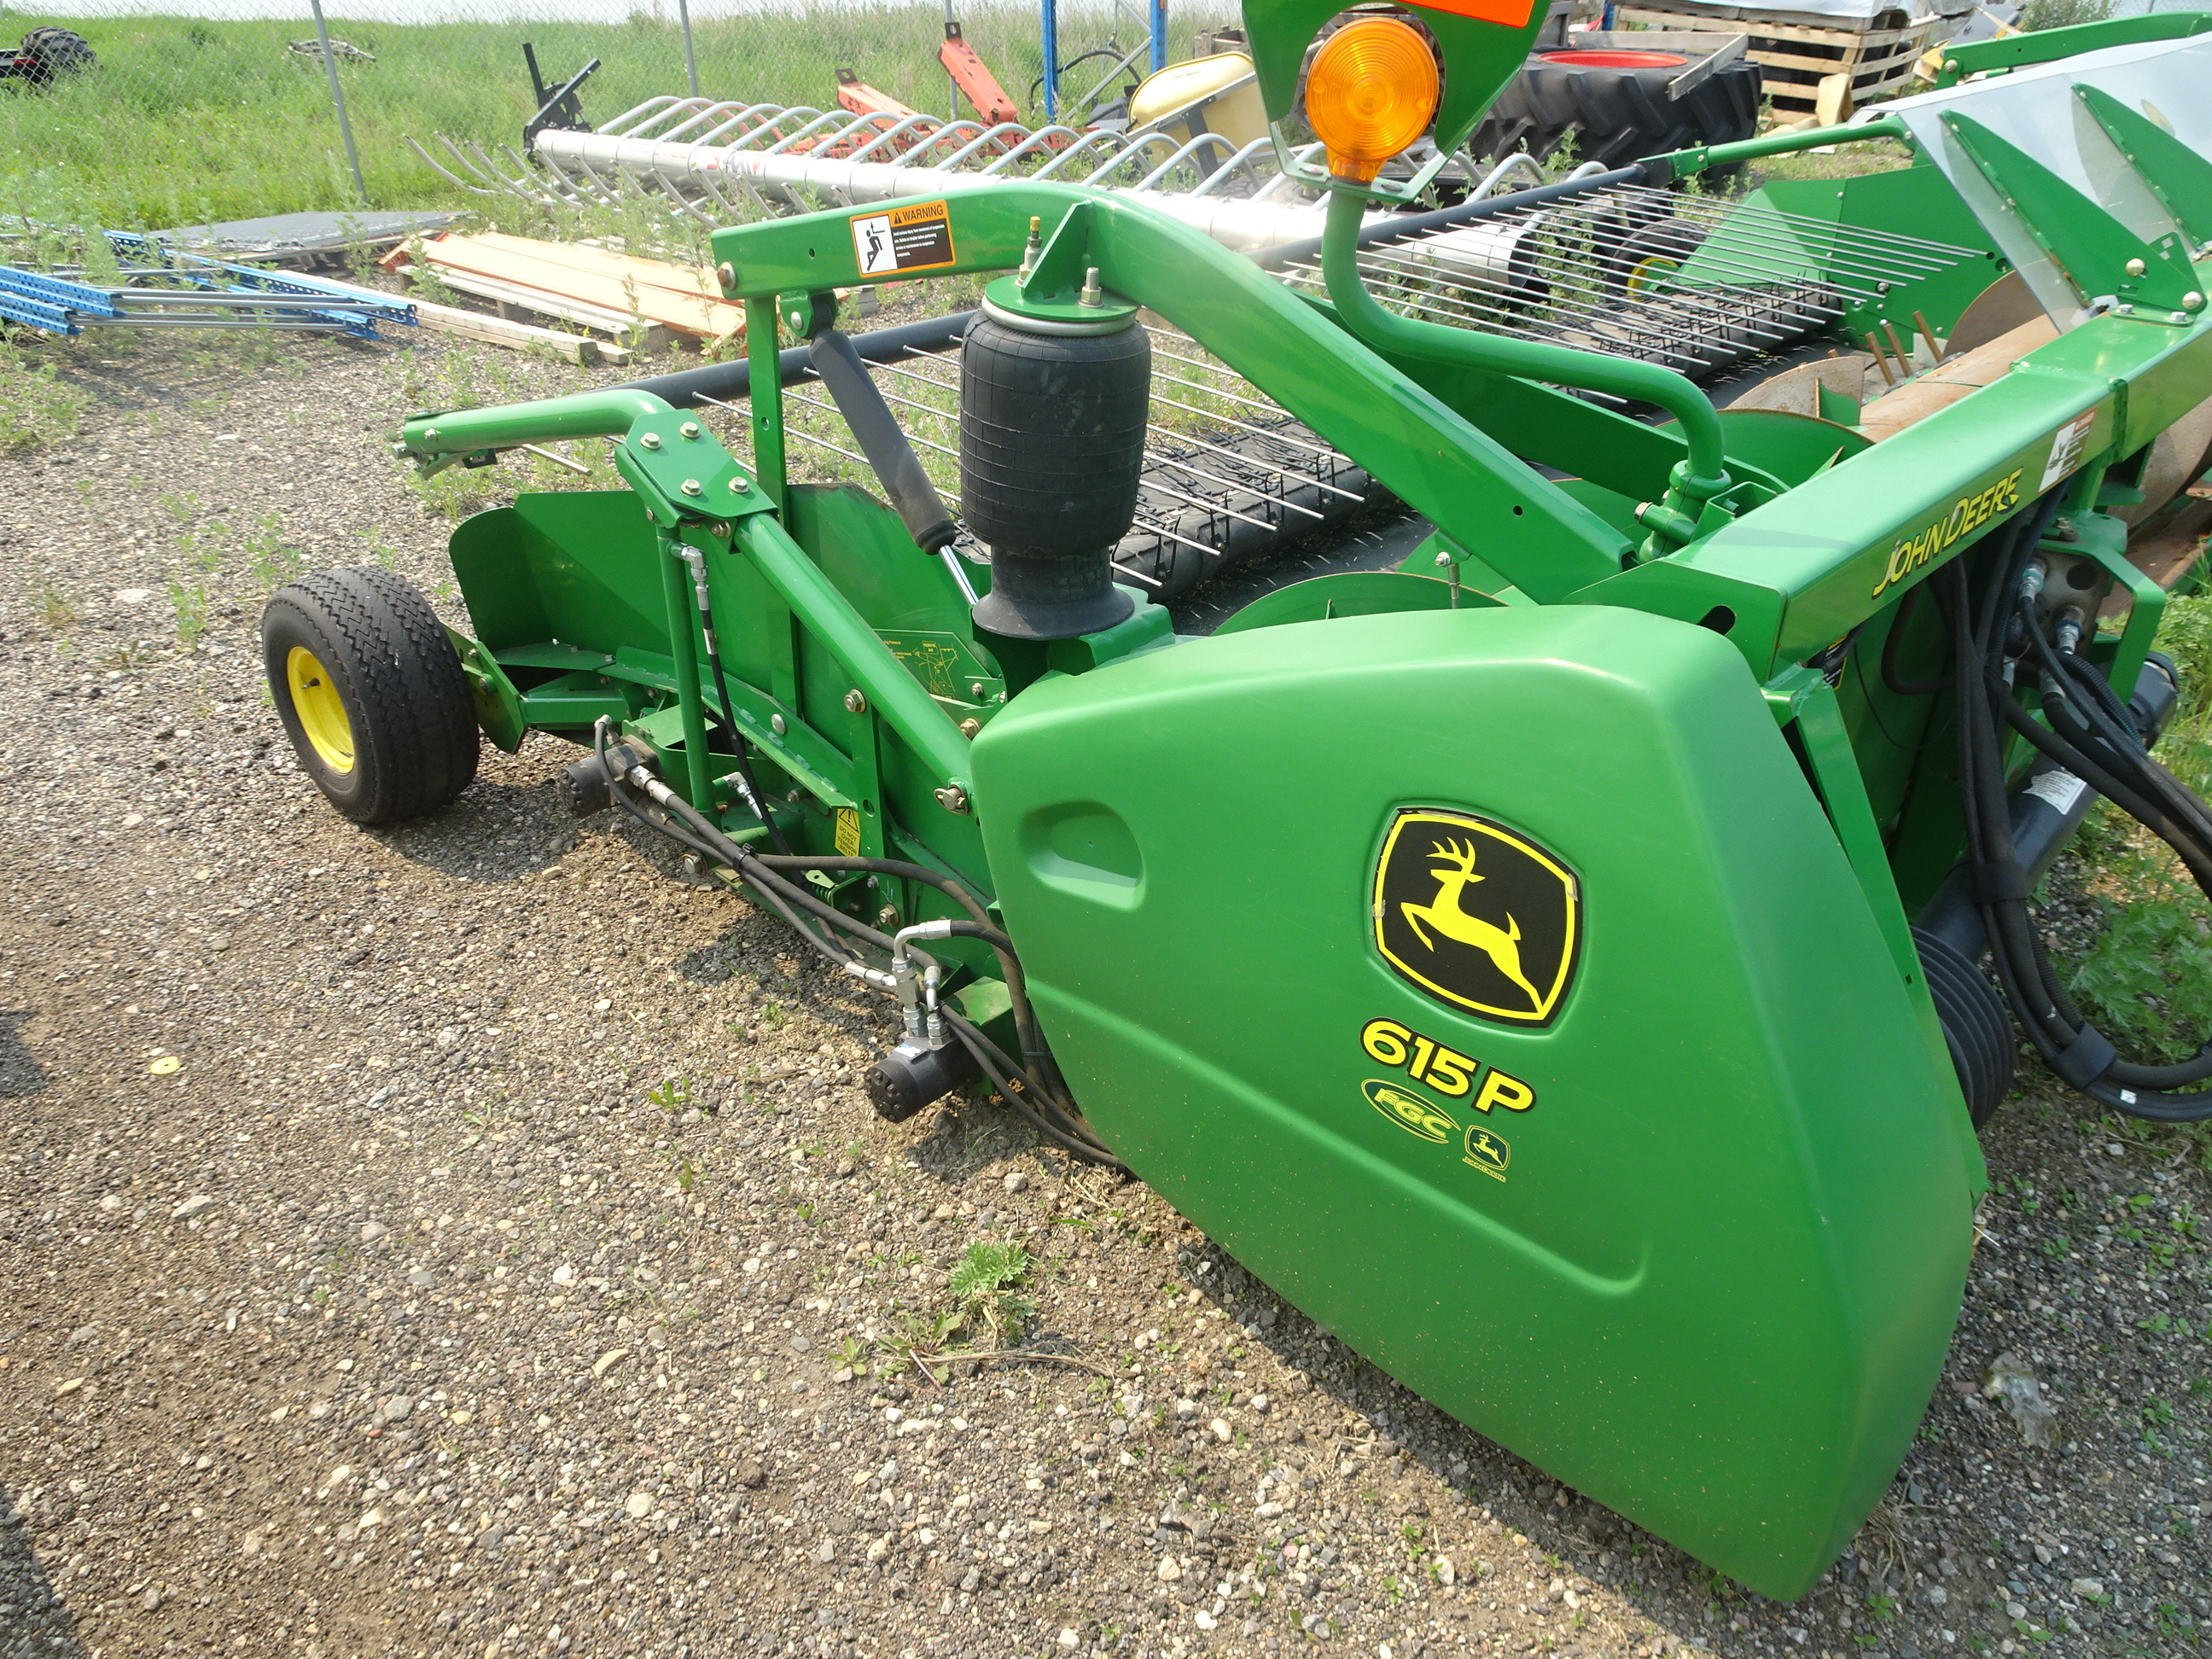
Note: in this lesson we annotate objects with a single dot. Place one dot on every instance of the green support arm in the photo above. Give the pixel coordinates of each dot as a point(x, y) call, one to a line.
point(2049, 45)
point(1695, 481)
point(1445, 467)
point(685, 477)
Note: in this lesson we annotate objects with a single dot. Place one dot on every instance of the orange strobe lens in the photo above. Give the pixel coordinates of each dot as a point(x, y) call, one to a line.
point(1371, 92)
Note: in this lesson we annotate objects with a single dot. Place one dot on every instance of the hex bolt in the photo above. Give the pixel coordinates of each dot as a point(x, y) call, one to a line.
point(429, 434)
point(2137, 267)
point(727, 274)
point(1091, 294)
point(2192, 301)
point(975, 691)
point(970, 727)
point(651, 441)
point(775, 724)
point(741, 486)
point(690, 428)
point(856, 703)
point(888, 916)
point(692, 486)
point(1443, 560)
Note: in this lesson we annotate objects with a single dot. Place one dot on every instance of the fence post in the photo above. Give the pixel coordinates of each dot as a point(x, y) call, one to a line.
point(337, 99)
point(1159, 35)
point(691, 57)
point(1051, 62)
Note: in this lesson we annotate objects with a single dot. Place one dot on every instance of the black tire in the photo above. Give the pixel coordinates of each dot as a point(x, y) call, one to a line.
point(55, 52)
point(1649, 253)
point(401, 741)
point(1976, 1029)
point(1620, 115)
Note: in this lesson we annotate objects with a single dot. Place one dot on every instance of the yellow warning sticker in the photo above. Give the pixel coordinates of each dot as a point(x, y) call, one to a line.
point(849, 833)
point(916, 237)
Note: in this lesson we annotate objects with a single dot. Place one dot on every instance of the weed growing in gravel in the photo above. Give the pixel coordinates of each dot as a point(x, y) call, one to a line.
point(272, 561)
point(50, 605)
point(37, 407)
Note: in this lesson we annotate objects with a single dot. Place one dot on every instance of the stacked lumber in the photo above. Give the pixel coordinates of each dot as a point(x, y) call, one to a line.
point(596, 286)
point(1809, 72)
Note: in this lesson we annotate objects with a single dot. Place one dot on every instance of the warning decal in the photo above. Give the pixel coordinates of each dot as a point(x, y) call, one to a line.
point(2066, 445)
point(918, 237)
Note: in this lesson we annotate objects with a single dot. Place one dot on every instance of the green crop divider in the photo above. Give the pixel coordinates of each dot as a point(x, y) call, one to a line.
point(2097, 254)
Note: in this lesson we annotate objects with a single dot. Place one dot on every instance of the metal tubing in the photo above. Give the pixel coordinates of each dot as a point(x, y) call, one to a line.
point(682, 619)
point(764, 389)
point(1238, 222)
point(898, 698)
point(1782, 143)
point(691, 57)
point(607, 413)
point(726, 381)
point(337, 99)
point(1561, 365)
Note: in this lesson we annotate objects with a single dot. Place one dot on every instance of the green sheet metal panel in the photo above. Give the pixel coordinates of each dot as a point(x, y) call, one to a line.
point(1700, 1250)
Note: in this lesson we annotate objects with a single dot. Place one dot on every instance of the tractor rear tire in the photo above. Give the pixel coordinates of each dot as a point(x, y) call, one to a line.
point(371, 694)
point(56, 52)
point(1620, 112)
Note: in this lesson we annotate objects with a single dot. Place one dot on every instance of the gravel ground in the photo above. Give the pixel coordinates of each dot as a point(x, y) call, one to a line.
point(458, 1240)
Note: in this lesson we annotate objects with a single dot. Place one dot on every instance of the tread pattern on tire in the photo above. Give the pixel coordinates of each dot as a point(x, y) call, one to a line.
point(57, 51)
point(1976, 1029)
point(414, 719)
point(1623, 115)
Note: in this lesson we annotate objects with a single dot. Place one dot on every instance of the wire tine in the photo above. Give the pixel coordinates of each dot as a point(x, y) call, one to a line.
point(1283, 472)
point(1152, 528)
point(1150, 482)
point(1160, 457)
point(430, 161)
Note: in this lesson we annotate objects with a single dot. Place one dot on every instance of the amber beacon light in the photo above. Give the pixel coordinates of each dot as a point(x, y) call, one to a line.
point(1371, 92)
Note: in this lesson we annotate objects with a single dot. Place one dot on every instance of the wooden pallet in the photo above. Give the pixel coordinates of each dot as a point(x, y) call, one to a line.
point(1795, 58)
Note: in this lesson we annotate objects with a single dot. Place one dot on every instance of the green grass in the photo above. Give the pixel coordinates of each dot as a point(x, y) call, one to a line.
point(2147, 980)
point(188, 120)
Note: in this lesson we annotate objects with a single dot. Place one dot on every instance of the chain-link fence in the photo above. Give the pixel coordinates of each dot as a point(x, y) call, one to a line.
point(190, 118)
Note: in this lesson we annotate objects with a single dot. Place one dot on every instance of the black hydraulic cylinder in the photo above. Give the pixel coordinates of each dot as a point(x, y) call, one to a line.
point(874, 428)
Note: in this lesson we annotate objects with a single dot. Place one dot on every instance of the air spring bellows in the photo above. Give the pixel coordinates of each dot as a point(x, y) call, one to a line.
point(1052, 442)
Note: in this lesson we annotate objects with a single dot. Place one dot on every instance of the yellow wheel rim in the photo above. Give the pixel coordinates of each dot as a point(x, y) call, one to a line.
point(322, 714)
point(1649, 273)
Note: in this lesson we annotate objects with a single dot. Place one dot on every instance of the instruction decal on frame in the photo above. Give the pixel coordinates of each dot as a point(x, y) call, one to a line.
point(918, 237)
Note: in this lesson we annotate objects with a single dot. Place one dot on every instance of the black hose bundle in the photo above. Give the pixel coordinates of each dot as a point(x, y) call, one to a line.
point(2091, 735)
point(1034, 1088)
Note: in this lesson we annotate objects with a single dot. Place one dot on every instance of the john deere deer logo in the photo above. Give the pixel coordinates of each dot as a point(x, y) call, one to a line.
point(1505, 948)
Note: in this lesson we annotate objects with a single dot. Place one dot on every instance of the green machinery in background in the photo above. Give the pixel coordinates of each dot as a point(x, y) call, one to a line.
point(1551, 963)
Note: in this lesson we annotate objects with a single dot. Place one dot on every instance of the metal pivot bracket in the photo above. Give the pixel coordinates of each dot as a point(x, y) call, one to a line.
point(2097, 254)
point(682, 473)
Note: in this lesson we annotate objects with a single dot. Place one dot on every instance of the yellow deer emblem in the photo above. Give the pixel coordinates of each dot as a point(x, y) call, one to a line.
point(1501, 944)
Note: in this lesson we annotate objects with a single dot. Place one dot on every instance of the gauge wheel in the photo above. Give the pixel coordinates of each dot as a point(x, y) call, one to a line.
point(370, 693)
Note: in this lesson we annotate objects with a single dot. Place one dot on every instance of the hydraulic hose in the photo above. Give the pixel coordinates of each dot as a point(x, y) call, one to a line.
point(1046, 1109)
point(738, 746)
point(2088, 731)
